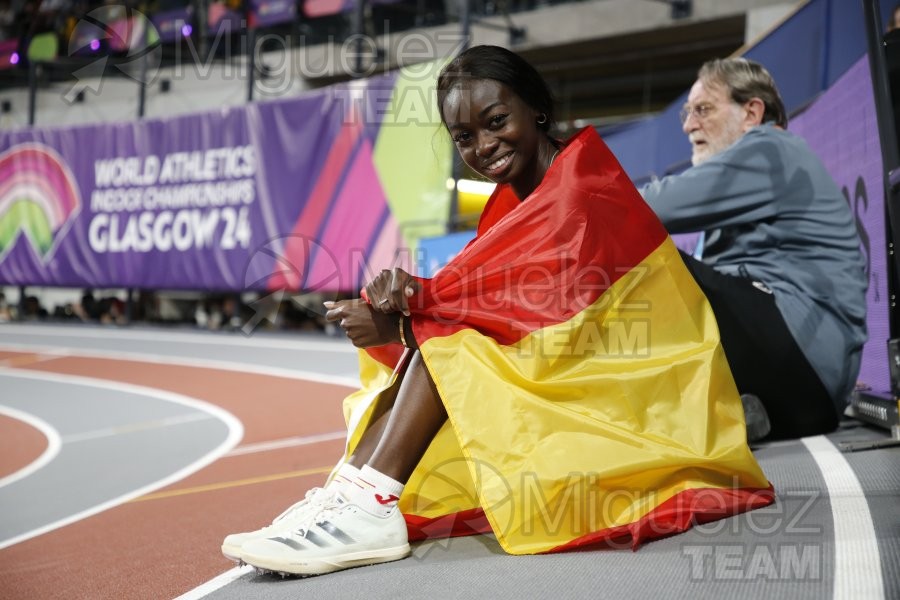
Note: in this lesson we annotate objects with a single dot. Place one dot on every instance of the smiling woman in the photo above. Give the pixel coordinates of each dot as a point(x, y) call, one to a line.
point(498, 124)
point(555, 368)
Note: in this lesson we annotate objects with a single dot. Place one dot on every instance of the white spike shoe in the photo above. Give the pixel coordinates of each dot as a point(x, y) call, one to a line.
point(339, 536)
point(300, 511)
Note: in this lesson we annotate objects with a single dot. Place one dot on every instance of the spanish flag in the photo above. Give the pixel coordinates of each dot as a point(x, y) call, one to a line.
point(588, 396)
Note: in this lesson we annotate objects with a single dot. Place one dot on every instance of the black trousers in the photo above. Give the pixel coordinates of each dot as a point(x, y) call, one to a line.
point(763, 355)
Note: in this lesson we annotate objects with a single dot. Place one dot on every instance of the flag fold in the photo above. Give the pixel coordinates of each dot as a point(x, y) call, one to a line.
point(588, 396)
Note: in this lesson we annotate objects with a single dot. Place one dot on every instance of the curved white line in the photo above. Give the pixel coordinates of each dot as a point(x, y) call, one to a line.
point(49, 453)
point(220, 581)
point(106, 432)
point(291, 442)
point(235, 433)
point(202, 363)
point(82, 331)
point(857, 563)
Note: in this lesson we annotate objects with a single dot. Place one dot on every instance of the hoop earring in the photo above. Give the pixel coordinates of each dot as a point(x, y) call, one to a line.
point(542, 119)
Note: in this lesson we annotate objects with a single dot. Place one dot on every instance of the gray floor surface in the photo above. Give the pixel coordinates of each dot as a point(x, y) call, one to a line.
point(783, 551)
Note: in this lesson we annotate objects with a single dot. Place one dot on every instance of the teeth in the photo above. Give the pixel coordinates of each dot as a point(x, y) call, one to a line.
point(498, 163)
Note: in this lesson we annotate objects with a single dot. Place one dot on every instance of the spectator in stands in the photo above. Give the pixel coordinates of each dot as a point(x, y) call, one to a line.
point(112, 311)
point(87, 309)
point(560, 255)
point(33, 310)
point(48, 15)
point(7, 20)
point(5, 313)
point(779, 258)
point(894, 22)
point(146, 308)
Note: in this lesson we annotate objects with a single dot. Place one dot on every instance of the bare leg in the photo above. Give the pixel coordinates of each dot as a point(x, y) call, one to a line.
point(372, 436)
point(378, 421)
point(400, 435)
point(402, 427)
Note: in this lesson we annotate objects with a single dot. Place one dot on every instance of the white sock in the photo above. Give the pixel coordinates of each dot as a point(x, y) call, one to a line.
point(343, 480)
point(375, 492)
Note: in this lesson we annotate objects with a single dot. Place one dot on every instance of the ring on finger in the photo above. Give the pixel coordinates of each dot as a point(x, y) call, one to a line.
point(383, 301)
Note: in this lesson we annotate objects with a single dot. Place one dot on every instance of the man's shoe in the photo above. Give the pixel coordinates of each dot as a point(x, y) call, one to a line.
point(310, 505)
point(342, 535)
point(756, 417)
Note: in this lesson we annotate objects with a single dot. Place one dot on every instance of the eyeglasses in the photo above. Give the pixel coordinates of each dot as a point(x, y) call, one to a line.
point(701, 111)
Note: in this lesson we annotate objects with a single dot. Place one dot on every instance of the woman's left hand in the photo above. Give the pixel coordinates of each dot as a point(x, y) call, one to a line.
point(391, 290)
point(364, 326)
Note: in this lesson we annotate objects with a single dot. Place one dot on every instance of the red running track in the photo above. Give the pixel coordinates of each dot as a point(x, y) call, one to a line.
point(168, 542)
point(20, 445)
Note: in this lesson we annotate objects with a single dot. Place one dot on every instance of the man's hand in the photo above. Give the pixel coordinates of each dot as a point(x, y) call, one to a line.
point(390, 291)
point(364, 326)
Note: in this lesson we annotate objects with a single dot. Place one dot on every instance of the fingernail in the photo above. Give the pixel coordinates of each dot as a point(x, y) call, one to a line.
point(328, 303)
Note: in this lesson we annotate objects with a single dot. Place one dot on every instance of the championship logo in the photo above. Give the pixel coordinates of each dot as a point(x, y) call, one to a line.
point(38, 197)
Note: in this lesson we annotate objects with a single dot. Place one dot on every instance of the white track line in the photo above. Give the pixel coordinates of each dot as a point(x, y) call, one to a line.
point(199, 363)
point(235, 433)
point(857, 564)
point(7, 362)
point(96, 434)
point(181, 337)
point(204, 589)
point(290, 442)
point(49, 453)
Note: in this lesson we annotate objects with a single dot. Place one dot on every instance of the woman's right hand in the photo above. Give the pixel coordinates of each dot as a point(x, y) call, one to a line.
point(364, 326)
point(391, 290)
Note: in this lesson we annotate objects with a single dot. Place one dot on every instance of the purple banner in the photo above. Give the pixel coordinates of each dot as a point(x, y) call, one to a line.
point(841, 127)
point(324, 8)
point(276, 195)
point(9, 57)
point(265, 13)
point(171, 24)
point(221, 19)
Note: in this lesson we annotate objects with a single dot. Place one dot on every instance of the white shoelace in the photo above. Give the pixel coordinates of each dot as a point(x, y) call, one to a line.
point(308, 498)
point(325, 513)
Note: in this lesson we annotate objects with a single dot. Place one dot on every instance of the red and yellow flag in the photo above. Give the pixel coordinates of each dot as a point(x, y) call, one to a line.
point(588, 396)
